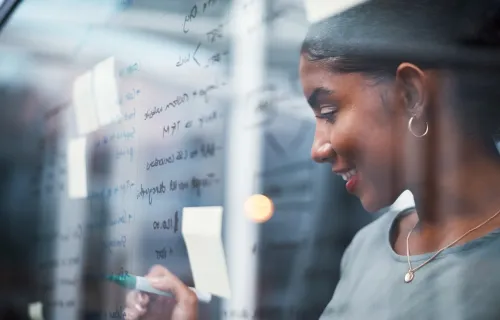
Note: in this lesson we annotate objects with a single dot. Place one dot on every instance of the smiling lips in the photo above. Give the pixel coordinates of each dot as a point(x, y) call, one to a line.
point(351, 177)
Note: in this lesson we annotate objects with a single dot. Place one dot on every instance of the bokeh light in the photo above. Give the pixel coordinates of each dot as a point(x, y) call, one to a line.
point(259, 208)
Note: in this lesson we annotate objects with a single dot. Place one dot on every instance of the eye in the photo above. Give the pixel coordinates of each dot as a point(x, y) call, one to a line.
point(327, 112)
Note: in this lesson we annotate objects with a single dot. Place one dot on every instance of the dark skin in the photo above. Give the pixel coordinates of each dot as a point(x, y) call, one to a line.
point(363, 123)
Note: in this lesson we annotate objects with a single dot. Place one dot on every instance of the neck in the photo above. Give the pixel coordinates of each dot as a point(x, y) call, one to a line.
point(459, 191)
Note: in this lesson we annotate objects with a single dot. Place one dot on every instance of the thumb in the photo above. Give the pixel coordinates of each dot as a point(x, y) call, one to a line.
point(168, 282)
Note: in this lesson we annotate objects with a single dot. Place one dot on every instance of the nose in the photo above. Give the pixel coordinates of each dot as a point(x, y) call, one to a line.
point(322, 152)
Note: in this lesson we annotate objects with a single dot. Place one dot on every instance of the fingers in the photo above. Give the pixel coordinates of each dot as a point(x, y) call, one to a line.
point(184, 306)
point(162, 279)
point(137, 298)
point(157, 271)
point(161, 308)
point(136, 305)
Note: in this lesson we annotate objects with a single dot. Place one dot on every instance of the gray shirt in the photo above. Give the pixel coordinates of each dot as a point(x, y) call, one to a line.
point(463, 282)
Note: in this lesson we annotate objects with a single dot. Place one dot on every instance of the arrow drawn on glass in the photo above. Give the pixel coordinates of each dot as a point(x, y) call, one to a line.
point(194, 58)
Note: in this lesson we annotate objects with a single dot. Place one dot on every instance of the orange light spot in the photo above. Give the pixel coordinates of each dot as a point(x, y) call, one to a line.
point(259, 208)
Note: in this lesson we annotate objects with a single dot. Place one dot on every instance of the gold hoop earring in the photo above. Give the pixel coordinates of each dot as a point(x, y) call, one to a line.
point(413, 132)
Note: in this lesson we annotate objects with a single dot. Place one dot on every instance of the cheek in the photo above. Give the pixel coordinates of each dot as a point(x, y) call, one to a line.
point(377, 135)
point(380, 169)
point(378, 155)
point(346, 136)
point(377, 145)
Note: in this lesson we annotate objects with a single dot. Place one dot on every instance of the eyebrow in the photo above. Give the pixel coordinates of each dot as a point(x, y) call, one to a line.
point(316, 95)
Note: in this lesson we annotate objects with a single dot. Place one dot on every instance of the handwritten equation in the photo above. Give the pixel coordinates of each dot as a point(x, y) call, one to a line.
point(205, 150)
point(112, 244)
point(215, 34)
point(131, 95)
point(128, 70)
point(195, 183)
point(124, 152)
point(214, 58)
point(197, 10)
point(193, 13)
point(117, 313)
point(204, 92)
point(176, 126)
point(150, 191)
point(127, 116)
point(186, 59)
point(172, 104)
point(163, 253)
point(128, 134)
point(182, 99)
point(168, 224)
point(104, 223)
point(106, 193)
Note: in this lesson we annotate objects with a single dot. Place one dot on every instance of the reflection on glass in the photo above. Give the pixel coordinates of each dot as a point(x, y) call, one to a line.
point(119, 115)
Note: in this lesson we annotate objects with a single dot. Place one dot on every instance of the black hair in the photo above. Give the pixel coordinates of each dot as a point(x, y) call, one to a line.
point(461, 36)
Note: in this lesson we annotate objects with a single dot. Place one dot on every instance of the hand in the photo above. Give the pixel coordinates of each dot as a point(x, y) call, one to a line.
point(145, 306)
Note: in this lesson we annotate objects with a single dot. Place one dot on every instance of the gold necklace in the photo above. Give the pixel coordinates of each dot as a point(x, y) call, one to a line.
point(411, 271)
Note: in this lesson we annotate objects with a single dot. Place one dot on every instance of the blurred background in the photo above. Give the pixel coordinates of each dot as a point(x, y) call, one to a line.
point(105, 100)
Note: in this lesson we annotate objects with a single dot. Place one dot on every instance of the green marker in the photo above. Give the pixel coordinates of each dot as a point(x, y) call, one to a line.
point(142, 284)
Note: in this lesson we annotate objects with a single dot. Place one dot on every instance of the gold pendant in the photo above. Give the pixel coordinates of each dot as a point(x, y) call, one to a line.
point(409, 276)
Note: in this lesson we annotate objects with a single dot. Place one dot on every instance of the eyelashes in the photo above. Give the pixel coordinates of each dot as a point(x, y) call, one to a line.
point(330, 118)
point(327, 113)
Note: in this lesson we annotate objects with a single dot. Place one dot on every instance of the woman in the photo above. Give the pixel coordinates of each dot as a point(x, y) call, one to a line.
point(403, 101)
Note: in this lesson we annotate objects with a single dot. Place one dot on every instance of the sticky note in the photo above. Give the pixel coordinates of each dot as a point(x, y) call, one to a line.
point(84, 105)
point(201, 230)
point(77, 168)
point(105, 90)
point(317, 10)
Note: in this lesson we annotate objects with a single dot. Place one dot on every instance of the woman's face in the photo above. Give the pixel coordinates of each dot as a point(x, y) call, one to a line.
point(360, 130)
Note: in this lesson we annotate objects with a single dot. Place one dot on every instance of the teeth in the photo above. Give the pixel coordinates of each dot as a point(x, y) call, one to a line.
point(348, 175)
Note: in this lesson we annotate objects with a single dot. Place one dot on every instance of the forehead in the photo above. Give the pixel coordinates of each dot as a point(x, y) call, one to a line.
point(318, 74)
point(313, 73)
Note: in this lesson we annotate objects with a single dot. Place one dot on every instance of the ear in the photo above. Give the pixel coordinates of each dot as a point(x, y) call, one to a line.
point(411, 82)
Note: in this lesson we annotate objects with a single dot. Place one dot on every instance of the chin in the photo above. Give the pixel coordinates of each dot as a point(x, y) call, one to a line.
point(374, 203)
